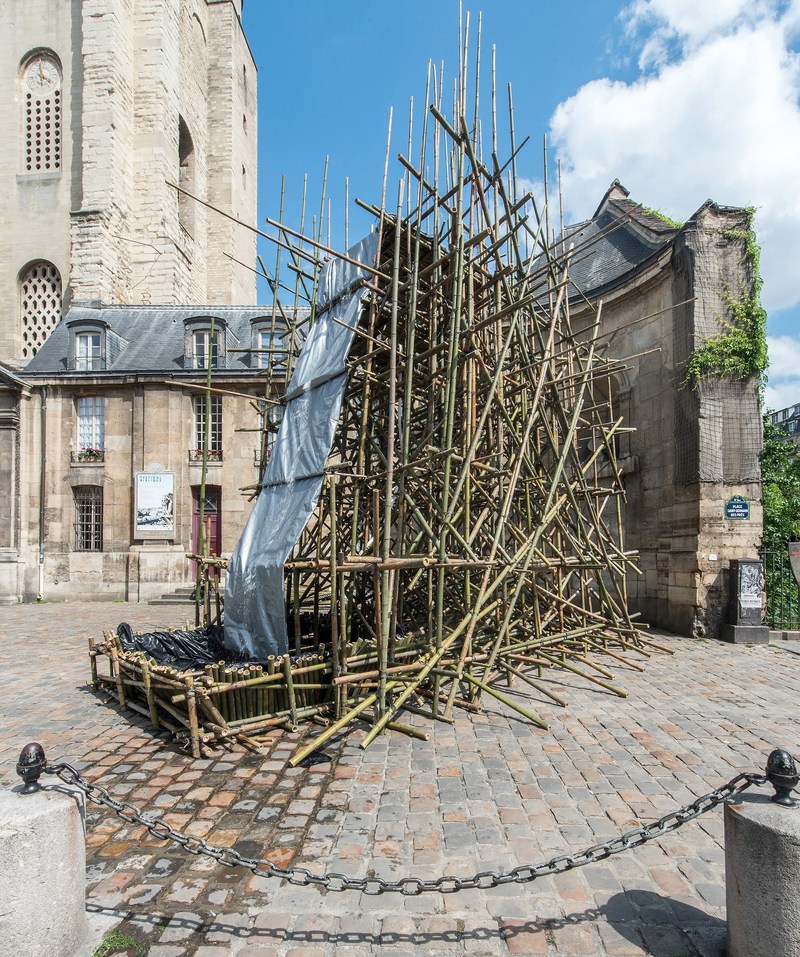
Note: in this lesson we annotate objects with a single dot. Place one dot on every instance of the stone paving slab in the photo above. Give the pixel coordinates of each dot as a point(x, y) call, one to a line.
point(488, 792)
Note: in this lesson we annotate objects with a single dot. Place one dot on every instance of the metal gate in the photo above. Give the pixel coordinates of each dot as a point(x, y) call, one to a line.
point(782, 591)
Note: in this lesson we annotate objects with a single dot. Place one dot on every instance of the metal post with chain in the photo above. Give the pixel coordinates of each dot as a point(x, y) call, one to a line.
point(781, 771)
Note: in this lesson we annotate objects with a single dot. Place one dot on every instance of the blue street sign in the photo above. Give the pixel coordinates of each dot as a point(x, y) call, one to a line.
point(737, 508)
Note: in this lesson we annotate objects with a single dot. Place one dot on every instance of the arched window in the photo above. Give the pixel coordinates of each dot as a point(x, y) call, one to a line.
point(40, 305)
point(186, 176)
point(42, 112)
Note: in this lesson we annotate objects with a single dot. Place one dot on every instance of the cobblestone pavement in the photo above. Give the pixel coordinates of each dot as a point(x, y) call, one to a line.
point(488, 792)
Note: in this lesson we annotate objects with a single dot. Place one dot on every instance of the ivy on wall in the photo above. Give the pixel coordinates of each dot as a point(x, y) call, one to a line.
point(740, 351)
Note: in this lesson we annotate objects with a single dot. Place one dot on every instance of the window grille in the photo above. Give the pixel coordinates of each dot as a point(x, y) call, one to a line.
point(215, 431)
point(91, 423)
point(43, 116)
point(88, 351)
point(88, 518)
point(40, 305)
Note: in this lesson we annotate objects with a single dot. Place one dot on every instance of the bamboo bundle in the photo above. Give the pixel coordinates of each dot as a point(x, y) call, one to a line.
point(215, 704)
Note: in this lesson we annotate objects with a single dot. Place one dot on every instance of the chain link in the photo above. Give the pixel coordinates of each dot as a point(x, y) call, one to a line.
point(409, 886)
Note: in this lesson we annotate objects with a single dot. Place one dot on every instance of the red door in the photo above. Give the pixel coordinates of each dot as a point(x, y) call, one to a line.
point(212, 517)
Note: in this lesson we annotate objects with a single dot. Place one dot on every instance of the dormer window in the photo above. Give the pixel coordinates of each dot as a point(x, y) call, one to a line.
point(269, 346)
point(88, 345)
point(205, 342)
point(205, 350)
point(271, 351)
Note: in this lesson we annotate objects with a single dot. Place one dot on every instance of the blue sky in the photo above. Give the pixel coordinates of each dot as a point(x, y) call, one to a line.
point(681, 100)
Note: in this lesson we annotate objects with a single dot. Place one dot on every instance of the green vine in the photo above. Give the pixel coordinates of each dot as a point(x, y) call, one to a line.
point(740, 351)
point(663, 217)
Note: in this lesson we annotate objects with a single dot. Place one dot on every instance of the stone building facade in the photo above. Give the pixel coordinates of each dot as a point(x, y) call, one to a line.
point(106, 107)
point(665, 290)
point(789, 421)
point(112, 449)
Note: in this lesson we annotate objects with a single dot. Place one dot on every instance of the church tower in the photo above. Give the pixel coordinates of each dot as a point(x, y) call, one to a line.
point(107, 105)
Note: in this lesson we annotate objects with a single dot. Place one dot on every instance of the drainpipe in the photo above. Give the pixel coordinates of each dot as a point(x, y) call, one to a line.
point(42, 473)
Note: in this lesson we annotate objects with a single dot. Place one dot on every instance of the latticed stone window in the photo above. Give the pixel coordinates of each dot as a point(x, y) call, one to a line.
point(40, 305)
point(88, 518)
point(42, 114)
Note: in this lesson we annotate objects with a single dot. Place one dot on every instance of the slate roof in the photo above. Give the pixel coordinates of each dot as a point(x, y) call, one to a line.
point(618, 240)
point(152, 338)
point(10, 376)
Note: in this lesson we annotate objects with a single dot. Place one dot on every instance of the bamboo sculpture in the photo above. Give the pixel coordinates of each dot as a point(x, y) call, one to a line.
point(470, 531)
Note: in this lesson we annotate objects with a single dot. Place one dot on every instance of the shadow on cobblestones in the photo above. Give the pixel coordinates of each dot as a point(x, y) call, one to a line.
point(144, 923)
point(487, 793)
point(653, 931)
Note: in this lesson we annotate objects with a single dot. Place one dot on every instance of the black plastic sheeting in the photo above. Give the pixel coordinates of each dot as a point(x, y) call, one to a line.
point(183, 650)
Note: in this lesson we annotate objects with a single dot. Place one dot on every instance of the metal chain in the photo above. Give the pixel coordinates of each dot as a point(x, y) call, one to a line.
point(410, 886)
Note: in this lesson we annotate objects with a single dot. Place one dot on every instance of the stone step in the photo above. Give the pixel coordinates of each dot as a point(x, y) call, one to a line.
point(181, 596)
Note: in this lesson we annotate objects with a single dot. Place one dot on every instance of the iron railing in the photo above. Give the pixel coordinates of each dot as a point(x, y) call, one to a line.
point(783, 595)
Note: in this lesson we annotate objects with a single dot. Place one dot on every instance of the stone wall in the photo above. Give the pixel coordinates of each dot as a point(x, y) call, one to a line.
point(34, 213)
point(692, 450)
point(149, 428)
point(103, 131)
point(10, 398)
point(232, 159)
point(109, 220)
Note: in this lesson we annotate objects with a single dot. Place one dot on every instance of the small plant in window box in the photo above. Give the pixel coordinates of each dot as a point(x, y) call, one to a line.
point(212, 455)
point(87, 454)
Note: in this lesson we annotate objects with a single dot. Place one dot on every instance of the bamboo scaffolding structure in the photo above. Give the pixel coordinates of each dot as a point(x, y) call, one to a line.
point(470, 529)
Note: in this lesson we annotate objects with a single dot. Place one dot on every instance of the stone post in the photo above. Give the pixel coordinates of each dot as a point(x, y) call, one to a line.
point(42, 874)
point(762, 877)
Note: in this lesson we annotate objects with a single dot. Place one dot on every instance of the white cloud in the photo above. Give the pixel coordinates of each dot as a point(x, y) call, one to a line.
point(721, 121)
point(782, 395)
point(784, 357)
point(783, 388)
point(685, 22)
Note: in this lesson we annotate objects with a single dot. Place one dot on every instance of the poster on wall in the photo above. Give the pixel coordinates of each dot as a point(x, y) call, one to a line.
point(155, 501)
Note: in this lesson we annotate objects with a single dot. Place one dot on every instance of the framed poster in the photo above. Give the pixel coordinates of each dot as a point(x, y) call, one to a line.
point(155, 502)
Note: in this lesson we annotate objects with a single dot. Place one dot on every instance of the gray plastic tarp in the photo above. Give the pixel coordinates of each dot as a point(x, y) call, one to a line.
point(255, 612)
